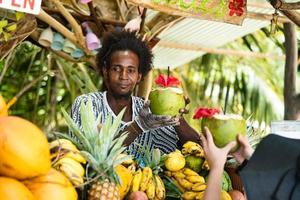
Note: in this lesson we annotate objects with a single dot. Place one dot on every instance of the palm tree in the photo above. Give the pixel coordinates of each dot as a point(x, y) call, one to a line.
point(247, 86)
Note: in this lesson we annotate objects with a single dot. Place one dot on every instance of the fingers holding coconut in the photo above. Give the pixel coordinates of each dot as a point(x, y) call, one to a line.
point(183, 111)
point(244, 151)
point(216, 157)
point(186, 100)
point(147, 104)
point(164, 120)
point(147, 121)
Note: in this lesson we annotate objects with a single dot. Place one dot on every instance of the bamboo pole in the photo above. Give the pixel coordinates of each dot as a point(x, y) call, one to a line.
point(81, 17)
point(145, 86)
point(75, 26)
point(293, 15)
point(281, 5)
point(219, 51)
point(93, 14)
point(57, 26)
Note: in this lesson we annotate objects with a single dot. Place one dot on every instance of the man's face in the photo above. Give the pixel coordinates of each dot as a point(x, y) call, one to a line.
point(122, 74)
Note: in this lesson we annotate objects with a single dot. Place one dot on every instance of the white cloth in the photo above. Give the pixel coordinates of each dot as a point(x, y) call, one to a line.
point(164, 138)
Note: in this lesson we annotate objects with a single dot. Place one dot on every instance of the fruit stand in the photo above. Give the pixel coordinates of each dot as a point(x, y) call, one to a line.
point(56, 159)
point(53, 171)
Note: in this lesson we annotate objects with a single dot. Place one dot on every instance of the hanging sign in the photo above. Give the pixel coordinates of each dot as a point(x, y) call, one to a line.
point(27, 6)
point(229, 11)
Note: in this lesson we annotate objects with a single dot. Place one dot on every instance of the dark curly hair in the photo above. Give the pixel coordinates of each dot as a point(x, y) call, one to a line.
point(124, 40)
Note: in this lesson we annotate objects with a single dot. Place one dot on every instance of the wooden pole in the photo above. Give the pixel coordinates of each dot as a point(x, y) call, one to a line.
point(294, 16)
point(93, 14)
point(57, 26)
point(145, 86)
point(291, 98)
point(75, 26)
point(219, 51)
point(82, 18)
point(285, 6)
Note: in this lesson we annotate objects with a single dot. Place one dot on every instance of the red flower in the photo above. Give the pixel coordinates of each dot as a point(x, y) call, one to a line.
point(205, 112)
point(236, 7)
point(165, 81)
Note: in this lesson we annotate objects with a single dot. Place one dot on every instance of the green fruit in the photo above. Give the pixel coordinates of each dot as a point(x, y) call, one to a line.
point(194, 163)
point(225, 128)
point(226, 182)
point(166, 101)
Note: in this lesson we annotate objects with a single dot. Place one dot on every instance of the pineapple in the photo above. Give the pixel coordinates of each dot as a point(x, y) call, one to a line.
point(101, 147)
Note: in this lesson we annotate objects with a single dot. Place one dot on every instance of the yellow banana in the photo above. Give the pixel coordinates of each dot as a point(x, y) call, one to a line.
point(71, 174)
point(200, 154)
point(189, 172)
point(126, 162)
point(178, 174)
point(225, 196)
point(132, 168)
point(192, 148)
point(75, 156)
point(200, 195)
point(205, 165)
point(195, 179)
point(147, 176)
point(137, 180)
point(189, 195)
point(160, 191)
point(55, 155)
point(178, 185)
point(168, 173)
point(198, 187)
point(64, 144)
point(185, 183)
point(72, 163)
point(150, 191)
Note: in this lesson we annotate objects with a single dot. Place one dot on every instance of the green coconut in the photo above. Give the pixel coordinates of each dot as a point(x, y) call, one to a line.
point(194, 163)
point(225, 128)
point(166, 101)
point(226, 181)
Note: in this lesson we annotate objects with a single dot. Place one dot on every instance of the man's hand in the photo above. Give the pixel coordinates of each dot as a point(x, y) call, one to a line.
point(216, 157)
point(245, 151)
point(148, 121)
point(184, 110)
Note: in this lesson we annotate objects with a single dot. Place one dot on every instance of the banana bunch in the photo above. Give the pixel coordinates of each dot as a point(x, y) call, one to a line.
point(189, 182)
point(128, 163)
point(68, 160)
point(192, 148)
point(144, 180)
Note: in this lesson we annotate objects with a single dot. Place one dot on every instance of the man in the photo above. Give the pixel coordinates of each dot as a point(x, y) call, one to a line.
point(123, 61)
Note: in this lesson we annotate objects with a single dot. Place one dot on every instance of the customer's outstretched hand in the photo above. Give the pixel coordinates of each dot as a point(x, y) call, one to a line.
point(245, 151)
point(216, 157)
